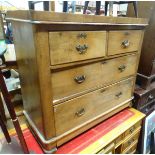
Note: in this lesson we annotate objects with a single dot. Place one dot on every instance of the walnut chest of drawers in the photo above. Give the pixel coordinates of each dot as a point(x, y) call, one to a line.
point(75, 70)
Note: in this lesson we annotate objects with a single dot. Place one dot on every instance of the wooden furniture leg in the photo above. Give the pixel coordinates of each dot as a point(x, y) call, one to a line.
point(46, 5)
point(4, 129)
point(12, 113)
point(106, 8)
point(135, 8)
point(98, 5)
point(65, 6)
point(85, 7)
point(2, 111)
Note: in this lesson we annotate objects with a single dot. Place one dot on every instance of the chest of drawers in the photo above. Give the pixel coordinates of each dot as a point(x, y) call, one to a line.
point(75, 70)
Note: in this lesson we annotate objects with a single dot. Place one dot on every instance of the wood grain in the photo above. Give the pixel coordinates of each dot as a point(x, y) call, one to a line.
point(27, 65)
point(131, 140)
point(41, 42)
point(116, 38)
point(146, 64)
point(96, 75)
point(65, 17)
point(63, 45)
point(91, 104)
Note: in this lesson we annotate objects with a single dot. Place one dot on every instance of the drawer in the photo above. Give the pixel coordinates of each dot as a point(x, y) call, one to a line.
point(131, 150)
point(131, 130)
point(123, 41)
point(78, 80)
point(70, 46)
point(109, 149)
point(118, 140)
point(131, 140)
point(79, 110)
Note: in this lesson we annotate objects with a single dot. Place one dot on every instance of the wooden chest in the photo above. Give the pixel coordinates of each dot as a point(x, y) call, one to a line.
point(144, 100)
point(102, 139)
point(76, 70)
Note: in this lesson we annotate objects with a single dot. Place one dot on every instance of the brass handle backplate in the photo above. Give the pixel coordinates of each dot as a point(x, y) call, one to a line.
point(80, 112)
point(118, 95)
point(132, 129)
point(82, 35)
point(82, 48)
point(121, 68)
point(80, 79)
point(125, 43)
point(131, 141)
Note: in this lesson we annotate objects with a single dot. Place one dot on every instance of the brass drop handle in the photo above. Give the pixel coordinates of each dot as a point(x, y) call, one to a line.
point(132, 129)
point(82, 48)
point(82, 35)
point(130, 141)
point(80, 79)
point(80, 112)
point(125, 43)
point(119, 94)
point(121, 68)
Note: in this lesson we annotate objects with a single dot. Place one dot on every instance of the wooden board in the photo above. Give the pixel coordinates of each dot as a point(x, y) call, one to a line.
point(41, 17)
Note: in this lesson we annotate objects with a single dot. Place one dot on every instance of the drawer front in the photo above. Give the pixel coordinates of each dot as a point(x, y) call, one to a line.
point(80, 79)
point(73, 46)
point(131, 140)
point(109, 149)
point(74, 112)
point(118, 140)
point(131, 150)
point(131, 130)
point(123, 41)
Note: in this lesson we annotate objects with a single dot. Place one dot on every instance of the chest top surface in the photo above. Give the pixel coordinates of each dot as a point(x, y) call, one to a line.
point(46, 17)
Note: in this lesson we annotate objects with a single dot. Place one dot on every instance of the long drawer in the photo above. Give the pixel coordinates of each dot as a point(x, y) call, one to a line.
point(123, 41)
point(70, 46)
point(71, 82)
point(77, 111)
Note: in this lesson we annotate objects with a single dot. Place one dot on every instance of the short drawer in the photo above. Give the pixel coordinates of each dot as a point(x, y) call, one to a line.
point(131, 130)
point(131, 140)
point(70, 46)
point(118, 140)
point(79, 110)
point(109, 149)
point(70, 83)
point(123, 41)
point(131, 150)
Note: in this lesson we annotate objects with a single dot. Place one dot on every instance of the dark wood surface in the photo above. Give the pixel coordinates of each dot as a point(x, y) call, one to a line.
point(144, 99)
point(146, 9)
point(145, 81)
